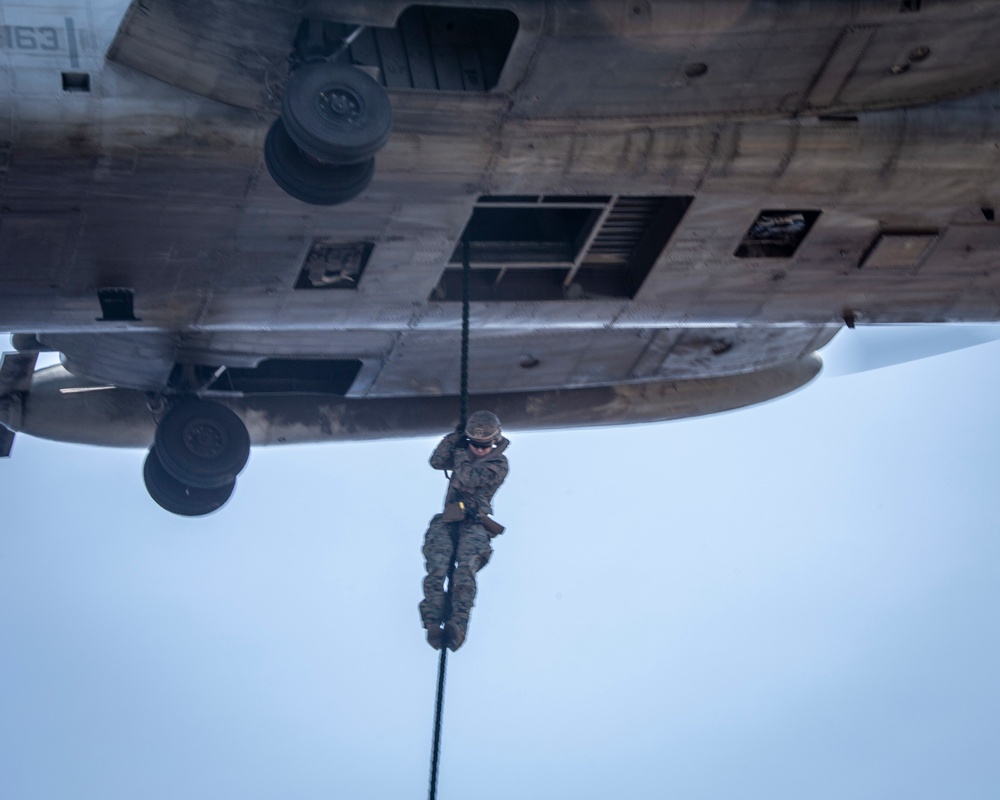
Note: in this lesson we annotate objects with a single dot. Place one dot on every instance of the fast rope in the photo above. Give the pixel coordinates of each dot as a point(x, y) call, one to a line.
point(463, 417)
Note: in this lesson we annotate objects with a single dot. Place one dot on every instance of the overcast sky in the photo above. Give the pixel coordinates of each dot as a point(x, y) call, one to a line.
point(793, 601)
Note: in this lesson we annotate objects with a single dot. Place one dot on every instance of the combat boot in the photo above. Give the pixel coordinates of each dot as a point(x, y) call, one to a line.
point(454, 635)
point(435, 637)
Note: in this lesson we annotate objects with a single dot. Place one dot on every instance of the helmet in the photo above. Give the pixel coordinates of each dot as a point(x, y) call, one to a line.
point(483, 426)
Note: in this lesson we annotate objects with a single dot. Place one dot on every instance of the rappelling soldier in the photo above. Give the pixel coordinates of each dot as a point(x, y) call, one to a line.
point(463, 531)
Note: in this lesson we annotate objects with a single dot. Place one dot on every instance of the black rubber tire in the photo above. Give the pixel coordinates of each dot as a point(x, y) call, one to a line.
point(202, 444)
point(178, 498)
point(308, 180)
point(336, 114)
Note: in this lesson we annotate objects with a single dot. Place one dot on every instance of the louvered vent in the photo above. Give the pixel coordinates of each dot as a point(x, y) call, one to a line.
point(620, 235)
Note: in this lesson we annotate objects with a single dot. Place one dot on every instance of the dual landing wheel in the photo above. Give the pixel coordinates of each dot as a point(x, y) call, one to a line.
point(334, 119)
point(199, 449)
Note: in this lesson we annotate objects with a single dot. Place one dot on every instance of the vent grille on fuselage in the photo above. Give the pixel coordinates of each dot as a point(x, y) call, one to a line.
point(623, 229)
point(532, 248)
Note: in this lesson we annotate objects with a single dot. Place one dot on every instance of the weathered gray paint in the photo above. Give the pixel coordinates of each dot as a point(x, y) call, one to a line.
point(152, 186)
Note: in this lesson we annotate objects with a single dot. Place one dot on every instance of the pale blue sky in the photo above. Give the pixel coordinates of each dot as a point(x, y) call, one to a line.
point(792, 601)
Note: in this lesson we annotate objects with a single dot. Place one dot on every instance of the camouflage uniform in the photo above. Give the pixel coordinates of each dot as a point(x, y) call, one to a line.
point(474, 481)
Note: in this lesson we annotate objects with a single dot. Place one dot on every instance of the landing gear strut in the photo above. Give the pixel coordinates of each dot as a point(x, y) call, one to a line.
point(334, 119)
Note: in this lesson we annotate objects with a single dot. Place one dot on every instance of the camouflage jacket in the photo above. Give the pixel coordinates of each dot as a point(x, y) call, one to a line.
point(474, 480)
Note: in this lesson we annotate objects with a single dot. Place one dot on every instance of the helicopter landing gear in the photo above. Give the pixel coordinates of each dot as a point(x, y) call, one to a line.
point(334, 119)
point(199, 449)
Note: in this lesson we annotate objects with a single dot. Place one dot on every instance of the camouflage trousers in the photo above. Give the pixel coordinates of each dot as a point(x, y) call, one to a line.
point(471, 556)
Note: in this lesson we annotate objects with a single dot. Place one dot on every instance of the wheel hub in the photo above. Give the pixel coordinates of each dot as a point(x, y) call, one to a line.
point(205, 439)
point(340, 105)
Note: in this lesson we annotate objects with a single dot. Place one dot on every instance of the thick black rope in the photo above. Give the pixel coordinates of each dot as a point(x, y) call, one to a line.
point(466, 287)
point(439, 703)
point(463, 418)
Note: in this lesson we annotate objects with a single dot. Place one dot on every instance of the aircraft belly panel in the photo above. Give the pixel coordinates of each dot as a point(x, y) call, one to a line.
point(740, 61)
point(35, 247)
point(585, 77)
point(928, 59)
point(229, 51)
point(703, 352)
point(131, 360)
point(426, 363)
